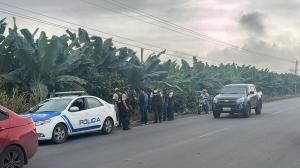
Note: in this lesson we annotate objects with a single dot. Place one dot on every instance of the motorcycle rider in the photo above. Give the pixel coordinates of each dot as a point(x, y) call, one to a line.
point(205, 96)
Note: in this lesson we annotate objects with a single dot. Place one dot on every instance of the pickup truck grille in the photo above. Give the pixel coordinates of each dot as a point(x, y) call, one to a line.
point(227, 102)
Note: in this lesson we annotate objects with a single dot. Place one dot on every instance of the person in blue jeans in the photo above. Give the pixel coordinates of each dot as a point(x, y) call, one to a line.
point(143, 107)
point(146, 107)
point(165, 104)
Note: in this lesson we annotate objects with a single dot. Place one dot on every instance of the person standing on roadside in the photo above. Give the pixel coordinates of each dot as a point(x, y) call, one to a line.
point(146, 96)
point(125, 110)
point(170, 105)
point(165, 104)
point(156, 105)
point(118, 105)
point(142, 106)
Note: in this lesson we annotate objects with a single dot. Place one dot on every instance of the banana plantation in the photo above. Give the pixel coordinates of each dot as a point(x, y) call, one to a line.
point(32, 65)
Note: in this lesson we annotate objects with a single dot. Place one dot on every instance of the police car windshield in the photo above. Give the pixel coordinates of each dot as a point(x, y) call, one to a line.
point(51, 105)
point(234, 90)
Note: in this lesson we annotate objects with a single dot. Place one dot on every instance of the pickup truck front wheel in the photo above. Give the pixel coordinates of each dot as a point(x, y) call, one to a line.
point(247, 111)
point(216, 114)
point(258, 107)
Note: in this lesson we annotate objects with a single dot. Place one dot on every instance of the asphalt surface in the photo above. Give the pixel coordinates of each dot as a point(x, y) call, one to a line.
point(269, 140)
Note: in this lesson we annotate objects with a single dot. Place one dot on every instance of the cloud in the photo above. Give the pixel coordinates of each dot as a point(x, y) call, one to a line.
point(276, 7)
point(261, 54)
point(218, 19)
point(253, 22)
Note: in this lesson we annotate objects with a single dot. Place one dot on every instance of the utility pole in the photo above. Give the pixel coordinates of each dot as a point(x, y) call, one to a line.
point(296, 74)
point(296, 68)
point(142, 55)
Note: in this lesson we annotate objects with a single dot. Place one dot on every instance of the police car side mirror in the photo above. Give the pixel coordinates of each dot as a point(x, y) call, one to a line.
point(74, 109)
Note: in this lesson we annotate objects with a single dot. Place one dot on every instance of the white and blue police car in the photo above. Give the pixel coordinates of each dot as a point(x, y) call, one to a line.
point(57, 118)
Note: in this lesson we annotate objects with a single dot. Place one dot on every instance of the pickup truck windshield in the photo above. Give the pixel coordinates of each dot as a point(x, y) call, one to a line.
point(234, 90)
point(51, 105)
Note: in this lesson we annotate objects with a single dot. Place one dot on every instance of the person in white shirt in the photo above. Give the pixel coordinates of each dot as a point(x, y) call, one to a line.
point(118, 103)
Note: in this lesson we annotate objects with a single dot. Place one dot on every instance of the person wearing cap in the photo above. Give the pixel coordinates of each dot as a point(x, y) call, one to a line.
point(118, 103)
point(205, 96)
point(156, 100)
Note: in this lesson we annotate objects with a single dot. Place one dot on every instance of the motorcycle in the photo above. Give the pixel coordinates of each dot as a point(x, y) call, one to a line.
point(203, 106)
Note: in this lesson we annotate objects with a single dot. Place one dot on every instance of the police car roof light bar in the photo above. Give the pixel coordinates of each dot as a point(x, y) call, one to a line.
point(77, 93)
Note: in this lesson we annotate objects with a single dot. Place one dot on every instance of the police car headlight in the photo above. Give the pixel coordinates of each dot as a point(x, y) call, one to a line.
point(39, 123)
point(240, 100)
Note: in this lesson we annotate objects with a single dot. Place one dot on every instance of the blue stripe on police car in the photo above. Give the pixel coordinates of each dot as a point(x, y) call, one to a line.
point(82, 122)
point(42, 116)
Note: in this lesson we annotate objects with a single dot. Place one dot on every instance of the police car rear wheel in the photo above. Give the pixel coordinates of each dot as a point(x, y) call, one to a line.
point(107, 126)
point(60, 134)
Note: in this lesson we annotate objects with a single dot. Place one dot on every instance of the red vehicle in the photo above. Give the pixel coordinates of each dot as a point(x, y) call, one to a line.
point(18, 139)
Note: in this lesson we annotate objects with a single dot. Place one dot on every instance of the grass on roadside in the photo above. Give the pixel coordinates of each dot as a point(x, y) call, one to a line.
point(276, 98)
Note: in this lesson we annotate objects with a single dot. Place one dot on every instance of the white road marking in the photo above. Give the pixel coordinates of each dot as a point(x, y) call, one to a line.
point(278, 112)
point(170, 146)
point(212, 133)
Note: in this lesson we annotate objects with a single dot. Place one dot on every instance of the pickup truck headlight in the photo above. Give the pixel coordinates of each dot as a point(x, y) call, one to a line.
point(215, 100)
point(39, 123)
point(240, 100)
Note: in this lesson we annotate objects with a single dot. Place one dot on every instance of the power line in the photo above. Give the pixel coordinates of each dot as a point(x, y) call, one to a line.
point(164, 21)
point(139, 19)
point(197, 34)
point(64, 27)
point(97, 30)
point(134, 17)
point(120, 42)
point(100, 31)
point(147, 15)
point(75, 24)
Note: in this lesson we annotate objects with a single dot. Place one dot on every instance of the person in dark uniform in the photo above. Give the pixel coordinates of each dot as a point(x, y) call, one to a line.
point(171, 106)
point(165, 104)
point(143, 103)
point(125, 110)
point(146, 106)
point(156, 105)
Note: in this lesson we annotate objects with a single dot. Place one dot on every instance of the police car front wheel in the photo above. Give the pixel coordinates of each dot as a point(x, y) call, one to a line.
point(60, 134)
point(107, 126)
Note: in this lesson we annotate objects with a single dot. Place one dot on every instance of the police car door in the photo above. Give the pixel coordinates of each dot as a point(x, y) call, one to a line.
point(96, 111)
point(78, 121)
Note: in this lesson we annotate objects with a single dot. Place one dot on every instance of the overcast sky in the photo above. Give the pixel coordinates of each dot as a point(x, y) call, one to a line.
point(267, 28)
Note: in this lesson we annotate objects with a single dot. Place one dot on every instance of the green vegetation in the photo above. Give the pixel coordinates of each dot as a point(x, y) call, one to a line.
point(32, 65)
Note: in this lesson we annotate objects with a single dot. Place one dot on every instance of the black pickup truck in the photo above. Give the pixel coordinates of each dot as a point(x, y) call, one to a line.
point(237, 98)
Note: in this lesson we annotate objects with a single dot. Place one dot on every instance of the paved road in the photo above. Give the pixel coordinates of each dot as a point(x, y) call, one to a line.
point(270, 140)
